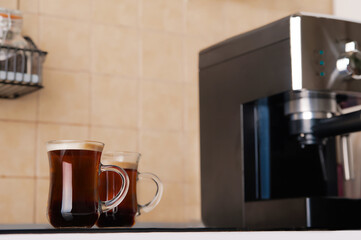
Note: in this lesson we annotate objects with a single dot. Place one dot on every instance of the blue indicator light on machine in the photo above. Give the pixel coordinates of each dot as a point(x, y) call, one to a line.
point(321, 52)
point(322, 74)
point(322, 63)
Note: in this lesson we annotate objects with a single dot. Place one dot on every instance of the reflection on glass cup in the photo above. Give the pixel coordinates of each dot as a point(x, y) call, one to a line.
point(124, 214)
point(74, 176)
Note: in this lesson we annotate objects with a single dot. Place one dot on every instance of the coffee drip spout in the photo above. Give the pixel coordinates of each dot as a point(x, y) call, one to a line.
point(315, 117)
point(342, 126)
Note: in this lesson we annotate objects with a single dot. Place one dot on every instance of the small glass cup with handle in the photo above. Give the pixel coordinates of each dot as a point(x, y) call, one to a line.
point(125, 213)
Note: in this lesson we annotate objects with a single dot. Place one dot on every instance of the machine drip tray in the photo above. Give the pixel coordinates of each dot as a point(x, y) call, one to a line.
point(303, 213)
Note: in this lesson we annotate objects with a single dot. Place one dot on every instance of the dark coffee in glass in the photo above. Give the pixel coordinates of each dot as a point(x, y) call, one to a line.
point(74, 177)
point(125, 213)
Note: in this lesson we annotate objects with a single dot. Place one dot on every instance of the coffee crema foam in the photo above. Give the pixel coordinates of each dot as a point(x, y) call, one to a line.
point(74, 145)
point(125, 165)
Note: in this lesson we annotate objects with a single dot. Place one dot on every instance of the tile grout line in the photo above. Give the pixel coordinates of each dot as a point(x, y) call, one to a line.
point(38, 121)
point(90, 71)
point(139, 77)
point(184, 61)
point(122, 128)
point(138, 25)
point(73, 71)
point(36, 160)
point(22, 177)
point(37, 116)
point(124, 77)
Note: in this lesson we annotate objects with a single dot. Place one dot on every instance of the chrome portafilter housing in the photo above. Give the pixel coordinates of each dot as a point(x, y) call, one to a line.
point(314, 117)
point(305, 109)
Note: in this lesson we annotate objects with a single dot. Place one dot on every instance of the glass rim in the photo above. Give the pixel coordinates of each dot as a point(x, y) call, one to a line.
point(72, 140)
point(122, 153)
point(74, 144)
point(127, 153)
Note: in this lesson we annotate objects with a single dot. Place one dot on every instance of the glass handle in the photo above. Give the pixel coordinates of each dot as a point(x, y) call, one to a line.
point(154, 202)
point(110, 204)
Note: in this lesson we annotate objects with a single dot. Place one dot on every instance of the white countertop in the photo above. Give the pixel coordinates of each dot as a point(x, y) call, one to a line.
point(198, 233)
point(279, 235)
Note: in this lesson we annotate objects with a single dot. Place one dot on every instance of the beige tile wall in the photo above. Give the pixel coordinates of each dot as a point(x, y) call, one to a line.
point(123, 72)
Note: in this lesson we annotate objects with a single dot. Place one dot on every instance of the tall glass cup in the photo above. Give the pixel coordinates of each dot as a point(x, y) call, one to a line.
point(124, 214)
point(74, 179)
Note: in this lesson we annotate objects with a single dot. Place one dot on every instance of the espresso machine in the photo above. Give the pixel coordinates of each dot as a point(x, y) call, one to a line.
point(277, 106)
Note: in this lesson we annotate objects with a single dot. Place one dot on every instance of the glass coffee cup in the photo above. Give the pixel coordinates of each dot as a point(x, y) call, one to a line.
point(125, 213)
point(74, 183)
